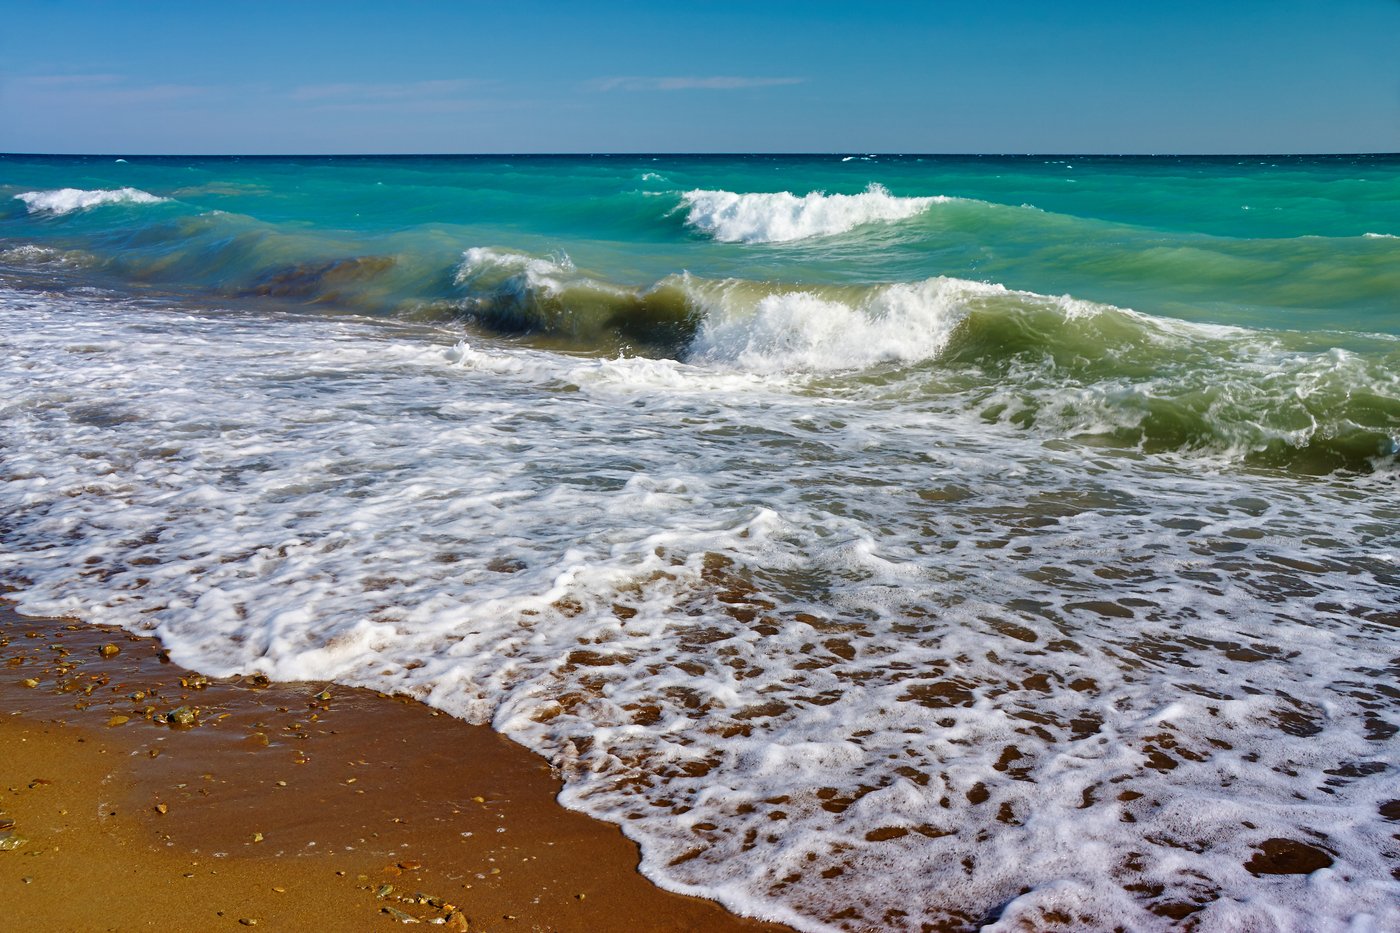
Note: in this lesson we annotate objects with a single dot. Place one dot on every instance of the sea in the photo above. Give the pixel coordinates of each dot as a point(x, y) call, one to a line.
point(882, 542)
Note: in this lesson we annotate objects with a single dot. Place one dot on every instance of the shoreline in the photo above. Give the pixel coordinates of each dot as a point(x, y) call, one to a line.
point(290, 805)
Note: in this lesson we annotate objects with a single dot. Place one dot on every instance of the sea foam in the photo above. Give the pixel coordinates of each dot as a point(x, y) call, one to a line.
point(68, 200)
point(780, 216)
point(833, 657)
point(813, 331)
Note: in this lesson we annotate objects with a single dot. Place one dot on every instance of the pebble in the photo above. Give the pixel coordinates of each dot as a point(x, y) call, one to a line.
point(248, 921)
point(182, 716)
point(399, 915)
point(384, 890)
point(161, 808)
point(257, 837)
point(30, 682)
point(410, 865)
point(109, 651)
point(118, 721)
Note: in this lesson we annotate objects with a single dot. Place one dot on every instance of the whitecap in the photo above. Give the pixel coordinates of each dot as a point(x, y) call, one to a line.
point(781, 216)
point(68, 200)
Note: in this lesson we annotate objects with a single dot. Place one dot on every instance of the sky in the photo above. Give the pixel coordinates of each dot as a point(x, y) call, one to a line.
point(987, 76)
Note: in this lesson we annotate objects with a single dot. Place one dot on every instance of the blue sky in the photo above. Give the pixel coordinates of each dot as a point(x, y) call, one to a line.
point(523, 76)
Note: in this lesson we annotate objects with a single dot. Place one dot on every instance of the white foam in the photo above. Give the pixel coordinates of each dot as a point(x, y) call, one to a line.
point(480, 261)
point(834, 655)
point(778, 217)
point(1381, 236)
point(31, 253)
point(801, 330)
point(68, 200)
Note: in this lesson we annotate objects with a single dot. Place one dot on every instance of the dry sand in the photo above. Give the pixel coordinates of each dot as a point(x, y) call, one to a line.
point(286, 807)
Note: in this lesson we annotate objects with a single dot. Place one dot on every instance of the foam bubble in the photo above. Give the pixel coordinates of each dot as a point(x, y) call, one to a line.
point(778, 217)
point(68, 200)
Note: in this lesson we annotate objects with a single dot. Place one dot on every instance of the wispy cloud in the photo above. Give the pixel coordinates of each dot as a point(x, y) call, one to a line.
point(106, 90)
point(347, 91)
point(688, 83)
point(68, 81)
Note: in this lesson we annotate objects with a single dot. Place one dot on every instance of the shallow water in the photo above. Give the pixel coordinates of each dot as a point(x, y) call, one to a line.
point(862, 576)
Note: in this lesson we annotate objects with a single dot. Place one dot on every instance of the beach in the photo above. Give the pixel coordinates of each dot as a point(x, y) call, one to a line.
point(286, 806)
point(853, 542)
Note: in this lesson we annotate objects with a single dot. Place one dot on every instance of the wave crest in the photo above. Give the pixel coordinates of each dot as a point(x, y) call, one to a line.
point(833, 328)
point(68, 200)
point(519, 293)
point(781, 216)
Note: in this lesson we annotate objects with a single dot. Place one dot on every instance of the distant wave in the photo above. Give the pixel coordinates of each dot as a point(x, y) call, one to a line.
point(1380, 236)
point(68, 200)
point(781, 216)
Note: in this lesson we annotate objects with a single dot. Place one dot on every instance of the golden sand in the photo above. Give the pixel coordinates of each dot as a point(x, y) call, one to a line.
point(301, 806)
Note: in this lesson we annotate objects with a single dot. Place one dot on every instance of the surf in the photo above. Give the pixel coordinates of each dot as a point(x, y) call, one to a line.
point(782, 217)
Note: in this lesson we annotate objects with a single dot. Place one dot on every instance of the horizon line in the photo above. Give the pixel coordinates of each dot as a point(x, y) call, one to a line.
point(682, 154)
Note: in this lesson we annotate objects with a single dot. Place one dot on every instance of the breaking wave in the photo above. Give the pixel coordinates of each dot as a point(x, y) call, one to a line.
point(1052, 365)
point(780, 216)
point(68, 200)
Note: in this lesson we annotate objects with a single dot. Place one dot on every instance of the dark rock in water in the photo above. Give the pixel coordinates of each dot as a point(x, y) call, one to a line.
point(1287, 857)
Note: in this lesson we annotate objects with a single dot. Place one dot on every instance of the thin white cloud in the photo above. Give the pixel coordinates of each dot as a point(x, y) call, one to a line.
point(64, 82)
point(99, 90)
point(688, 83)
point(364, 91)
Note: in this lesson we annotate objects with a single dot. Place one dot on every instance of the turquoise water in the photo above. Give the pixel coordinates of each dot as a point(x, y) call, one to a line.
point(882, 542)
point(1271, 242)
point(631, 253)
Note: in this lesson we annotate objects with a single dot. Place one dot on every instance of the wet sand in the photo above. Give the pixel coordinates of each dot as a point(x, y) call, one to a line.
point(302, 806)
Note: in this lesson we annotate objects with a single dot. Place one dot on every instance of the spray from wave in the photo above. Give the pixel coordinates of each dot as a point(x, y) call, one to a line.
point(68, 200)
point(780, 217)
